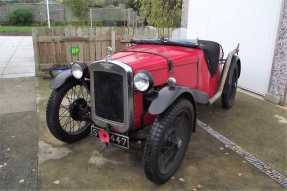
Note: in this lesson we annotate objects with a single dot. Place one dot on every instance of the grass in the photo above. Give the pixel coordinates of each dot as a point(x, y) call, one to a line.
point(15, 29)
point(28, 29)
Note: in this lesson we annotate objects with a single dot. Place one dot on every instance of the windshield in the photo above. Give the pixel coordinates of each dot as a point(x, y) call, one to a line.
point(172, 35)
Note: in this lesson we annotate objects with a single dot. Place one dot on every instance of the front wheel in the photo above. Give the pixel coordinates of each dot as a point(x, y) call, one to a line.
point(168, 141)
point(68, 112)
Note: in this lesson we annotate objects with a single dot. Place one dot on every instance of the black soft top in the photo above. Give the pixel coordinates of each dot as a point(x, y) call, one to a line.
point(211, 49)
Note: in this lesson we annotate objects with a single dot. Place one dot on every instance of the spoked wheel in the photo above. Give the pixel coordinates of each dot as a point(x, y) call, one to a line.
point(168, 141)
point(68, 112)
point(230, 88)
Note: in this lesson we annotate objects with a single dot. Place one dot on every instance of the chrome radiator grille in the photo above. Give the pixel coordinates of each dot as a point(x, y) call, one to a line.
point(112, 94)
point(108, 94)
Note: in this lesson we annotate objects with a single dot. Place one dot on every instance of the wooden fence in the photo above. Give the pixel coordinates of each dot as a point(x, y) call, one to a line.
point(53, 46)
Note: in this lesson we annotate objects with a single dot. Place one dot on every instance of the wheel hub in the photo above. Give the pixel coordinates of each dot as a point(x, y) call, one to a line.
point(175, 141)
point(179, 143)
point(78, 109)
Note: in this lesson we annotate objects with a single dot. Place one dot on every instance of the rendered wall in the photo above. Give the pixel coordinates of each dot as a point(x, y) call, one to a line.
point(278, 82)
point(253, 24)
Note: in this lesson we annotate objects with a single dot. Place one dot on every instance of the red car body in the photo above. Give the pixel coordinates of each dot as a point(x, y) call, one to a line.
point(190, 70)
point(144, 97)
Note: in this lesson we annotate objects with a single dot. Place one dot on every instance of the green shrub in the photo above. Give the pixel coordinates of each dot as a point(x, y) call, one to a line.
point(80, 8)
point(20, 17)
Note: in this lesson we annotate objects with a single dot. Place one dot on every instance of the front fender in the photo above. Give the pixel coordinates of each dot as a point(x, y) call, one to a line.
point(60, 79)
point(167, 96)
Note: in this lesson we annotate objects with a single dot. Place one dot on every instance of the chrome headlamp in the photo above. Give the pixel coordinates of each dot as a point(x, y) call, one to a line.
point(143, 81)
point(77, 71)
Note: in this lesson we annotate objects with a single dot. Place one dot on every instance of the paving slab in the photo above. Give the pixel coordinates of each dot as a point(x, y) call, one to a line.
point(18, 69)
point(19, 148)
point(17, 95)
point(17, 56)
point(18, 134)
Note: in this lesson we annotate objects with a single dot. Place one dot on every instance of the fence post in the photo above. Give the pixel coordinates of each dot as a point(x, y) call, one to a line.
point(36, 51)
point(113, 40)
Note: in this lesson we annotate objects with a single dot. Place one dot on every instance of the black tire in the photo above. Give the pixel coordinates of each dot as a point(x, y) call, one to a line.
point(156, 169)
point(53, 109)
point(230, 88)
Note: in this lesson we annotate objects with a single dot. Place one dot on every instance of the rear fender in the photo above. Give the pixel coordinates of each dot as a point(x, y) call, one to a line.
point(236, 61)
point(60, 79)
point(232, 61)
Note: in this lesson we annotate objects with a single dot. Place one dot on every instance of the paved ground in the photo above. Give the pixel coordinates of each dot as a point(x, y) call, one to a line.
point(18, 134)
point(255, 125)
point(207, 166)
point(16, 56)
point(258, 126)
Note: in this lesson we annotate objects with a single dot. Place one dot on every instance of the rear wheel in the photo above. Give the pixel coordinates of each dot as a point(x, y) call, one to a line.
point(230, 88)
point(168, 141)
point(68, 112)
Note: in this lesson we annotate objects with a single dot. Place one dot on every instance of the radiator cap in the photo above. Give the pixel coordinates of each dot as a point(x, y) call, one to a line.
point(109, 53)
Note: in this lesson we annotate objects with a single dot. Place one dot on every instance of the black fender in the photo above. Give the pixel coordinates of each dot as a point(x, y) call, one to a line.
point(167, 96)
point(236, 62)
point(60, 79)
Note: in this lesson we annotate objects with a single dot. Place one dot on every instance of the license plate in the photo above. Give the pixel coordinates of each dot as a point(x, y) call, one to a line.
point(116, 139)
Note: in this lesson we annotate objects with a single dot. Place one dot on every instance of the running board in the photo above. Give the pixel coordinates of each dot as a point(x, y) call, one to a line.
point(224, 76)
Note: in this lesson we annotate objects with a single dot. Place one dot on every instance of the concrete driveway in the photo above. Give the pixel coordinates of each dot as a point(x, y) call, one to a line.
point(18, 134)
point(16, 56)
point(208, 165)
point(31, 158)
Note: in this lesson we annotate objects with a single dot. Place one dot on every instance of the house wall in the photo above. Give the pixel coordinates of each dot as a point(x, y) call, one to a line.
point(277, 91)
point(253, 24)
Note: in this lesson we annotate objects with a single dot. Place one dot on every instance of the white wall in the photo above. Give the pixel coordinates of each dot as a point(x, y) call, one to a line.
point(252, 23)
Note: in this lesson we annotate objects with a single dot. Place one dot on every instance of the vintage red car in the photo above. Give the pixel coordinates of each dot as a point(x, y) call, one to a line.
point(144, 95)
